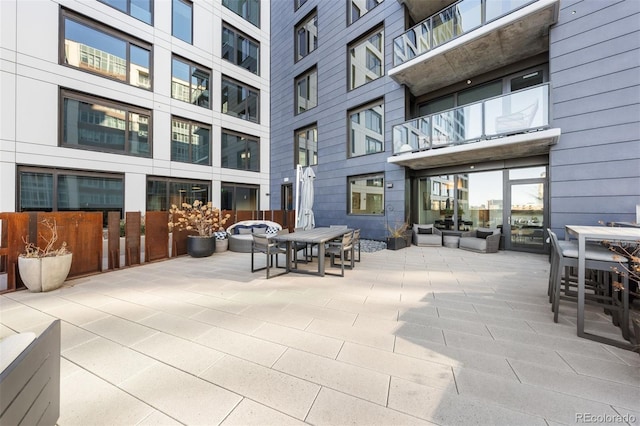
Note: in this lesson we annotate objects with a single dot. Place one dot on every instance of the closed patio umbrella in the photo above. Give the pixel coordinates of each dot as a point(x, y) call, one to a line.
point(305, 216)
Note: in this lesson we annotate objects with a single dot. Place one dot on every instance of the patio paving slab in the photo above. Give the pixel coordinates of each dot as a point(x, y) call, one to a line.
point(423, 335)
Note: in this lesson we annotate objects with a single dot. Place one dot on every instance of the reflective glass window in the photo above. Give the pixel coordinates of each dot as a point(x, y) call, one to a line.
point(357, 8)
point(366, 194)
point(306, 35)
point(94, 48)
point(240, 152)
point(306, 146)
point(366, 130)
point(190, 142)
point(139, 9)
point(98, 124)
point(68, 190)
point(190, 82)
point(182, 20)
point(240, 49)
point(162, 192)
point(239, 100)
point(248, 9)
point(366, 59)
point(306, 91)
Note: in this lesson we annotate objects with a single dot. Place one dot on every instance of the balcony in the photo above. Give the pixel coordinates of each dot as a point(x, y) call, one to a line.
point(469, 38)
point(509, 126)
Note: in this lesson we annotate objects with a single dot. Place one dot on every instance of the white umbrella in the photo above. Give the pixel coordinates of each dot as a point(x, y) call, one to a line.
point(305, 216)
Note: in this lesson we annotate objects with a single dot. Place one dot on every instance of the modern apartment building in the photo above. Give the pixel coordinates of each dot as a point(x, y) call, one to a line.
point(516, 114)
point(133, 105)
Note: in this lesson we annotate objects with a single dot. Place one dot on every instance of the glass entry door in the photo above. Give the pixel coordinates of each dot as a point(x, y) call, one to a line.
point(526, 216)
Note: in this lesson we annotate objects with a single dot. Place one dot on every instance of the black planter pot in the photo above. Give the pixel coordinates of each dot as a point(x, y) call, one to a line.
point(198, 246)
point(396, 243)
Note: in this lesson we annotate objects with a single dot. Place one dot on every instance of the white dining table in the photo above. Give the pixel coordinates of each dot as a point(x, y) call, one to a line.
point(598, 233)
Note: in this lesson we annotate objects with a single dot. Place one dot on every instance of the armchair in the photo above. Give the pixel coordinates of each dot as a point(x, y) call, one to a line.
point(426, 235)
point(482, 240)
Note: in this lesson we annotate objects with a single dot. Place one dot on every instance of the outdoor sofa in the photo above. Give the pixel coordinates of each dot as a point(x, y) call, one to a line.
point(241, 233)
point(426, 235)
point(482, 240)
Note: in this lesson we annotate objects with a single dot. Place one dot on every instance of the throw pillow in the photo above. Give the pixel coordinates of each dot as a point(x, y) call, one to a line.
point(260, 228)
point(425, 231)
point(272, 230)
point(483, 234)
point(244, 230)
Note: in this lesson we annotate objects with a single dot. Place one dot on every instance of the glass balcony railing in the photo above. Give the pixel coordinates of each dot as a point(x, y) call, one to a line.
point(517, 112)
point(457, 19)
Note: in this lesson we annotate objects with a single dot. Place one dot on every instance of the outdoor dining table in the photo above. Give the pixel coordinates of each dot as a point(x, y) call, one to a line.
point(318, 236)
point(597, 233)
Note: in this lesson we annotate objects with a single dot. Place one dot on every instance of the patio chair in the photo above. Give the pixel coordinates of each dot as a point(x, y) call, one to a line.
point(262, 244)
point(598, 258)
point(341, 249)
point(482, 240)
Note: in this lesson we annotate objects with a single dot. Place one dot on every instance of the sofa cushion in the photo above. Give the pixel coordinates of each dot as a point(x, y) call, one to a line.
point(425, 231)
point(260, 228)
point(477, 244)
point(242, 230)
point(483, 234)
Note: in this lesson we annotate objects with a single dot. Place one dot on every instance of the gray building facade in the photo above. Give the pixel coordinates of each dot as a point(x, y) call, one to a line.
point(521, 115)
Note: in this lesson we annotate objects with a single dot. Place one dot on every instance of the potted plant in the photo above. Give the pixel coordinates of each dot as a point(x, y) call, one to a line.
point(45, 269)
point(202, 218)
point(631, 251)
point(397, 238)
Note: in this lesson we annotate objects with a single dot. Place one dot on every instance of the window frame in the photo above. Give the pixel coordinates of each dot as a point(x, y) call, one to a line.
point(192, 123)
point(128, 11)
point(357, 110)
point(189, 4)
point(305, 75)
point(257, 3)
point(350, 193)
point(171, 180)
point(111, 32)
point(192, 66)
point(363, 41)
point(247, 139)
point(55, 174)
point(350, 5)
point(296, 145)
point(65, 93)
point(244, 86)
point(301, 25)
point(236, 35)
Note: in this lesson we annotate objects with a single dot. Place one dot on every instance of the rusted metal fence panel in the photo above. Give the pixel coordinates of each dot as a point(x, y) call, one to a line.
point(132, 229)
point(156, 236)
point(113, 240)
point(13, 227)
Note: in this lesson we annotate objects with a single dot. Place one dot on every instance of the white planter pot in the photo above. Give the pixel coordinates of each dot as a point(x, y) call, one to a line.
point(222, 245)
point(44, 273)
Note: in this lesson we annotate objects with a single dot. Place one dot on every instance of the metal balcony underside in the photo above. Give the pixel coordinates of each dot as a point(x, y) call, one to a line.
point(516, 36)
point(508, 147)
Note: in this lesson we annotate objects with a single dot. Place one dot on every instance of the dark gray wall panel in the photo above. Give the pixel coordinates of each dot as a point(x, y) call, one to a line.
point(595, 74)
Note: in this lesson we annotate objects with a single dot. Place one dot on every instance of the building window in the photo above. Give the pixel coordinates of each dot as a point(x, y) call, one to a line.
point(366, 59)
point(163, 192)
point(366, 130)
point(240, 152)
point(51, 190)
point(357, 8)
point(139, 9)
point(190, 82)
point(190, 142)
point(240, 50)
point(366, 194)
point(299, 3)
point(248, 9)
point(306, 146)
point(182, 20)
point(239, 197)
point(102, 125)
point(307, 91)
point(239, 100)
point(307, 35)
point(95, 48)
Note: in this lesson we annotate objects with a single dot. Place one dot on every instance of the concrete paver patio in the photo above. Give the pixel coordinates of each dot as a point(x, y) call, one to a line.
point(416, 336)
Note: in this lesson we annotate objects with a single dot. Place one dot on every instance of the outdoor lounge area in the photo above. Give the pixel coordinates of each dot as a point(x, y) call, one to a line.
point(415, 336)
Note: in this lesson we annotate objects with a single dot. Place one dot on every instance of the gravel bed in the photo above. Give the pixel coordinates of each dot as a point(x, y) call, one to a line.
point(369, 246)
